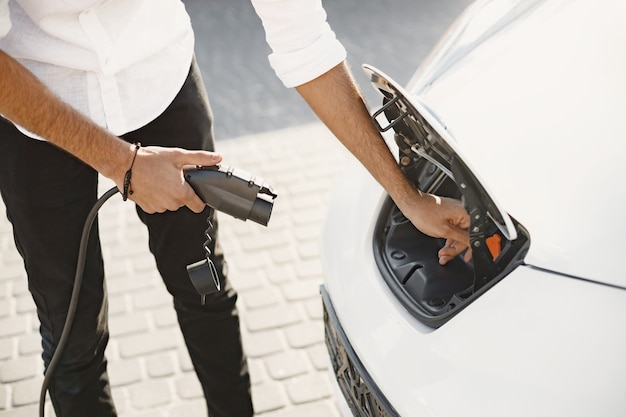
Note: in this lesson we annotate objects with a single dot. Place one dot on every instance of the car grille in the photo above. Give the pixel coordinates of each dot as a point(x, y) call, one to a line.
point(361, 393)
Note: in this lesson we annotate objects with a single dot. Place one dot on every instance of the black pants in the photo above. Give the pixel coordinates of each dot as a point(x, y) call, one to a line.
point(48, 194)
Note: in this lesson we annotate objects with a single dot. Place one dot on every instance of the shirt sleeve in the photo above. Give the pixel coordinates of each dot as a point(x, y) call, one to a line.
point(5, 19)
point(303, 44)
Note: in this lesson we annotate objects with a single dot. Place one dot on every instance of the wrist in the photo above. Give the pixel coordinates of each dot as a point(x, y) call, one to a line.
point(127, 189)
point(115, 158)
point(406, 196)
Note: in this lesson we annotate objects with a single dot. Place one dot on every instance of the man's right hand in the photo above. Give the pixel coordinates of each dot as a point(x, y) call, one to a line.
point(157, 181)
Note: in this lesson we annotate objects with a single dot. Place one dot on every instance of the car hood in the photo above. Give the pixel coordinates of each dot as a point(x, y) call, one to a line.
point(536, 103)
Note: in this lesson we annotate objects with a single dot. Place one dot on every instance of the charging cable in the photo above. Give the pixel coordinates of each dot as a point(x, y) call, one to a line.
point(71, 312)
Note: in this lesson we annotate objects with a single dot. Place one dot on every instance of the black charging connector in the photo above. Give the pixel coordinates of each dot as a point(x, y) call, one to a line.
point(232, 191)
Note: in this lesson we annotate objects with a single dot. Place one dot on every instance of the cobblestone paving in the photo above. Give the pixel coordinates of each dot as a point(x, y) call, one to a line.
point(276, 270)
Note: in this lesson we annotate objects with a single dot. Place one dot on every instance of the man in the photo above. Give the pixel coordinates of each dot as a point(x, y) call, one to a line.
point(111, 87)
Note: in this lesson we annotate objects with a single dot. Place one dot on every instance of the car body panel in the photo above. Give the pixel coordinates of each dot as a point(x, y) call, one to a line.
point(505, 354)
point(534, 104)
point(523, 97)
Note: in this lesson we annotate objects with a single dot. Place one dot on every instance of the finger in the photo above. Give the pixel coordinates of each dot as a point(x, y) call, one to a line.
point(444, 258)
point(458, 234)
point(147, 209)
point(193, 202)
point(450, 251)
point(196, 207)
point(201, 158)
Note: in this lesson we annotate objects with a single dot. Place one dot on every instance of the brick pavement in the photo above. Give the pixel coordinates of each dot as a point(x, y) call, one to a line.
point(276, 270)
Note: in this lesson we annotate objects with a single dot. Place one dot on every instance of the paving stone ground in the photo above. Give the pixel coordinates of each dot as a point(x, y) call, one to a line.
point(276, 270)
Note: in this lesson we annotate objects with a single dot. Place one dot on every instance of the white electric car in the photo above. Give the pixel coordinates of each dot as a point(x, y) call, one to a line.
point(520, 112)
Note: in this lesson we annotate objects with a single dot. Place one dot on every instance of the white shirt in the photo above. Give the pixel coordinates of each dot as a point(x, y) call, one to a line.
point(122, 62)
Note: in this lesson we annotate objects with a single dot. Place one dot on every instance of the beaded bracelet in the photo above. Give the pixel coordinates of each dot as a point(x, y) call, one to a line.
point(127, 189)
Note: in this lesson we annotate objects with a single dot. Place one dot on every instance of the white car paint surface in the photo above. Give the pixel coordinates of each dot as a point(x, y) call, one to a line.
point(538, 108)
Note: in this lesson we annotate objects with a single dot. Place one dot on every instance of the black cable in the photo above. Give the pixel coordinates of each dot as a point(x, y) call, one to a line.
point(80, 266)
point(207, 251)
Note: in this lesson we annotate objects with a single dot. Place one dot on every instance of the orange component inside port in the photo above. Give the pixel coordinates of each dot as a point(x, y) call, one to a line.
point(494, 245)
